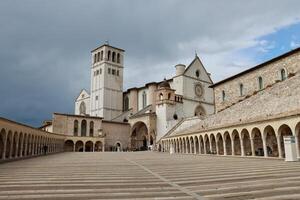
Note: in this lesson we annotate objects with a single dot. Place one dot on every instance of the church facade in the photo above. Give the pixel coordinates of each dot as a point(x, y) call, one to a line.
point(151, 110)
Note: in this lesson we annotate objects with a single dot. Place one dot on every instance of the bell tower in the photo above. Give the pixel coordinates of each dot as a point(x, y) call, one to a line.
point(107, 82)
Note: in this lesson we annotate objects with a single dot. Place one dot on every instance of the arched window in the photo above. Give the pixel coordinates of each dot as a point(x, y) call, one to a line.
point(161, 96)
point(283, 74)
point(108, 55)
point(197, 73)
point(82, 108)
point(126, 103)
point(260, 83)
point(223, 95)
point(241, 89)
point(199, 111)
point(113, 56)
point(91, 129)
point(98, 56)
point(75, 128)
point(83, 128)
point(95, 58)
point(101, 55)
point(118, 58)
point(169, 96)
point(144, 99)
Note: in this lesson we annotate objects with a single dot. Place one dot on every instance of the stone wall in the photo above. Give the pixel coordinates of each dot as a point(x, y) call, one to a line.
point(270, 73)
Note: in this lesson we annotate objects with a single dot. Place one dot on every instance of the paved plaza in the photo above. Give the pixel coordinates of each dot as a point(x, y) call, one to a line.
point(147, 175)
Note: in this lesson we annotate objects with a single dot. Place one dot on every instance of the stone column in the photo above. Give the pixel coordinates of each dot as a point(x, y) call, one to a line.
point(279, 147)
point(195, 148)
point(4, 147)
point(191, 147)
point(242, 147)
point(217, 147)
point(17, 148)
point(210, 145)
point(94, 147)
point(265, 146)
point(232, 147)
point(205, 151)
point(199, 145)
point(11, 147)
point(83, 150)
point(224, 147)
point(297, 145)
point(74, 147)
point(22, 146)
point(103, 147)
point(252, 146)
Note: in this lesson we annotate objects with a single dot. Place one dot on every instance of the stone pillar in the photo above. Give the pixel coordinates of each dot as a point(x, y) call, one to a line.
point(17, 148)
point(297, 145)
point(199, 145)
point(252, 146)
point(191, 148)
point(74, 147)
point(83, 150)
point(103, 147)
point(210, 145)
point(4, 147)
point(205, 151)
point(11, 147)
point(195, 148)
point(232, 147)
point(279, 147)
point(217, 147)
point(242, 147)
point(224, 147)
point(265, 146)
point(94, 147)
point(22, 146)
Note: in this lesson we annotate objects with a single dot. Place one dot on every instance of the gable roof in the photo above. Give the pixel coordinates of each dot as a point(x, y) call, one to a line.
point(81, 91)
point(257, 66)
point(191, 64)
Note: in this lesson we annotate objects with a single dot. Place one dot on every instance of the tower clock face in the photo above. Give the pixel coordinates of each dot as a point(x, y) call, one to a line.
point(198, 90)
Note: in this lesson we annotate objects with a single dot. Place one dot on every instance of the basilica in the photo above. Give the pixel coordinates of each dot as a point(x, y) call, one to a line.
point(247, 114)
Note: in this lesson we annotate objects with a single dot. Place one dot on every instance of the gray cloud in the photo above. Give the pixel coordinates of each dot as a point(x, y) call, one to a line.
point(45, 45)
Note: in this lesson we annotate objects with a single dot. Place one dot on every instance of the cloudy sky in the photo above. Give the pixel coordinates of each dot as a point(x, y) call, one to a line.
point(45, 45)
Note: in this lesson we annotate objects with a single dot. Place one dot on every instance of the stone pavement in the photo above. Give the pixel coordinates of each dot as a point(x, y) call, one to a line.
point(147, 175)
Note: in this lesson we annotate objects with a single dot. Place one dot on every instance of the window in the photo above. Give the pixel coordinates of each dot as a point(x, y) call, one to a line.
point(108, 55)
point(175, 117)
point(108, 70)
point(197, 73)
point(223, 95)
point(100, 71)
point(101, 57)
point(118, 58)
point(241, 89)
point(97, 72)
point(113, 71)
point(95, 58)
point(260, 83)
point(283, 74)
point(161, 96)
point(75, 128)
point(169, 96)
point(96, 98)
point(114, 56)
point(98, 56)
point(91, 129)
point(144, 99)
point(83, 127)
point(118, 72)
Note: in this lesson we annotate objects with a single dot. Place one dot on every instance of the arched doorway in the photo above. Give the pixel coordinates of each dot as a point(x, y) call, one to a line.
point(79, 146)
point(89, 146)
point(207, 145)
point(220, 144)
point(118, 147)
point(201, 144)
point(246, 142)
point(257, 142)
point(236, 143)
point(228, 143)
point(8, 143)
point(98, 146)
point(284, 130)
point(138, 138)
point(271, 142)
point(69, 146)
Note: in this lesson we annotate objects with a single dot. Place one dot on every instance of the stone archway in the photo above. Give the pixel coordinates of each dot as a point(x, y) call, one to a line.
point(207, 144)
point(284, 130)
point(69, 146)
point(8, 144)
point(213, 144)
point(79, 146)
point(201, 141)
point(228, 143)
point(139, 137)
point(197, 150)
point(246, 142)
point(220, 144)
point(89, 146)
point(236, 143)
point(271, 142)
point(2, 141)
point(257, 142)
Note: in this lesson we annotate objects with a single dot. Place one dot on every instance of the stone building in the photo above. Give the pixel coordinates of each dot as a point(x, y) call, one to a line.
point(255, 109)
